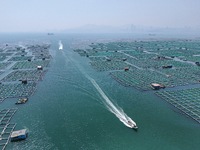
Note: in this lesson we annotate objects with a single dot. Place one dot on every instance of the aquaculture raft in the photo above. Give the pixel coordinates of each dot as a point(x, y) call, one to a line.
point(22, 101)
point(138, 64)
point(170, 63)
point(31, 75)
point(30, 64)
point(16, 90)
point(188, 101)
point(6, 127)
point(19, 71)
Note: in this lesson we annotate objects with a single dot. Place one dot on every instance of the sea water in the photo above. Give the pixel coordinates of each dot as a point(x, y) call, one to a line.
point(67, 113)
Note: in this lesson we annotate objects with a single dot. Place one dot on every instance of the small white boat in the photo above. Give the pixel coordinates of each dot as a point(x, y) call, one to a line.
point(129, 123)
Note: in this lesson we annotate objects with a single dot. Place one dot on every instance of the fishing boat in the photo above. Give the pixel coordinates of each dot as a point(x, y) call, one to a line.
point(22, 101)
point(19, 135)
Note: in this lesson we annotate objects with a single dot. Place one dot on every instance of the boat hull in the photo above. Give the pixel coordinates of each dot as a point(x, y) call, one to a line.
point(129, 123)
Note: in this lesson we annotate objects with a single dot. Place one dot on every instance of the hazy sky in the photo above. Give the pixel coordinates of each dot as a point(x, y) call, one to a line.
point(44, 15)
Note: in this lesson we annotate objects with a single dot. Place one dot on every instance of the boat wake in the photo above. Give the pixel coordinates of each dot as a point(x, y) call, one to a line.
point(116, 110)
point(60, 45)
point(119, 113)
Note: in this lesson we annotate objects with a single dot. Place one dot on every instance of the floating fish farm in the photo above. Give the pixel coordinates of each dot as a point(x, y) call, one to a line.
point(141, 64)
point(6, 127)
point(4, 65)
point(188, 101)
point(16, 90)
point(31, 64)
point(20, 58)
point(21, 67)
point(20, 75)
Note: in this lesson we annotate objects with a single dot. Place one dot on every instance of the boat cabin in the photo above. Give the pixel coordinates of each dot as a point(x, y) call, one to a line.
point(24, 81)
point(39, 68)
point(19, 135)
point(157, 86)
point(126, 69)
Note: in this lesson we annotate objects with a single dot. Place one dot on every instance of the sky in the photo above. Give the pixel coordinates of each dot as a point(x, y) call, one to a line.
point(58, 15)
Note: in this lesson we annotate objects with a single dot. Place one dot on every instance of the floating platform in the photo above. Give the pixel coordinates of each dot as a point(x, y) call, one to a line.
point(18, 68)
point(6, 127)
point(22, 101)
point(147, 60)
point(6, 131)
point(187, 101)
point(31, 64)
point(31, 75)
point(19, 135)
point(16, 90)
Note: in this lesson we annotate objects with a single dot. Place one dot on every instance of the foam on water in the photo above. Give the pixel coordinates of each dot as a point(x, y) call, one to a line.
point(119, 113)
point(60, 45)
point(113, 108)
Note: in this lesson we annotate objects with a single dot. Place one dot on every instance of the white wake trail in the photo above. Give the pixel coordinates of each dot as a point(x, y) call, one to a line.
point(116, 110)
point(119, 113)
point(60, 45)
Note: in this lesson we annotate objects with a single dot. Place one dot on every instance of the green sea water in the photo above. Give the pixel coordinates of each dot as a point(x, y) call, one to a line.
point(67, 112)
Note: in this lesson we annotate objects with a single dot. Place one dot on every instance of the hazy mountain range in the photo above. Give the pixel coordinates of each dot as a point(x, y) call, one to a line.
point(132, 29)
